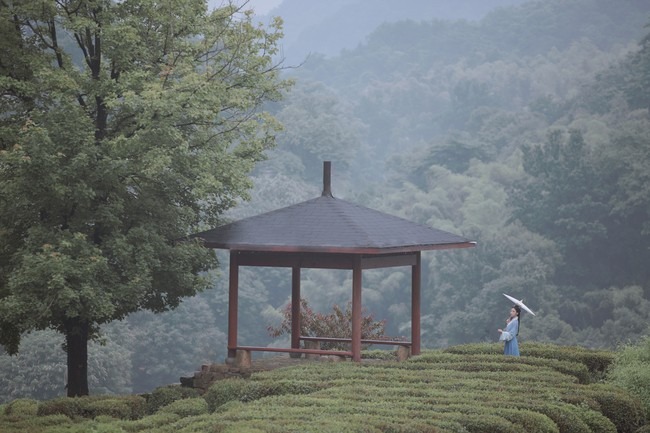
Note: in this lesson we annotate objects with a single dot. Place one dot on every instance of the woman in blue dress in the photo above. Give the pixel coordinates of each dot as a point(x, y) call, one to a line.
point(509, 335)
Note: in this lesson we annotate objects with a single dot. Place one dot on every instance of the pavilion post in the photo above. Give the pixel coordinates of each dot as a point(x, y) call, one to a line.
point(356, 309)
point(295, 307)
point(233, 295)
point(416, 276)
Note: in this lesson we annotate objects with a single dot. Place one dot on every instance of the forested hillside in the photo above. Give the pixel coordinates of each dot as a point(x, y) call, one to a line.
point(527, 131)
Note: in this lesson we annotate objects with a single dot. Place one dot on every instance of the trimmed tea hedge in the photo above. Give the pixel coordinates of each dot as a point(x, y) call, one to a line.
point(164, 395)
point(471, 388)
point(596, 361)
point(127, 407)
point(186, 407)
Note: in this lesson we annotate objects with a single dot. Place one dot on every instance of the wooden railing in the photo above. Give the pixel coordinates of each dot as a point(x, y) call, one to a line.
point(243, 353)
point(363, 341)
point(307, 351)
point(403, 349)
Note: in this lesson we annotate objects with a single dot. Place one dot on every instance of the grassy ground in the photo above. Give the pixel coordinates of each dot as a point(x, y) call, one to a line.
point(471, 388)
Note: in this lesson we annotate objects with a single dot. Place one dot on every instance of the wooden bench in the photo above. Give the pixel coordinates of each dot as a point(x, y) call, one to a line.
point(243, 353)
point(403, 349)
point(312, 348)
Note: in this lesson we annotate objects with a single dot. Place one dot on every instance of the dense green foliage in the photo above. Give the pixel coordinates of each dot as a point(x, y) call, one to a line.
point(465, 388)
point(631, 371)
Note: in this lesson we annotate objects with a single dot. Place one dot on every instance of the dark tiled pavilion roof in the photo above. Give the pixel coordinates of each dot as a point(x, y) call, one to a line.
point(329, 225)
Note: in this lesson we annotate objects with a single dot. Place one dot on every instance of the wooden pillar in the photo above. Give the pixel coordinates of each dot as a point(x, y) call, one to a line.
point(416, 273)
point(356, 309)
point(233, 304)
point(295, 307)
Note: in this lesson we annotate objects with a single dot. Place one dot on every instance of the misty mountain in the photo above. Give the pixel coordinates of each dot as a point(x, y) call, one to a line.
point(516, 34)
point(327, 27)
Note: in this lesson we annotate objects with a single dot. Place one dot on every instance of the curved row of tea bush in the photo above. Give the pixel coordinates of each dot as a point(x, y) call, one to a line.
point(470, 388)
point(596, 361)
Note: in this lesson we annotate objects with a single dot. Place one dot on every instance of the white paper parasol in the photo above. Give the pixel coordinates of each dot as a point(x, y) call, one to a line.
point(520, 303)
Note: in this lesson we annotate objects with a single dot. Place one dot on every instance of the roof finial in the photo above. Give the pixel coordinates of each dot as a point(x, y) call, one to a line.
point(327, 179)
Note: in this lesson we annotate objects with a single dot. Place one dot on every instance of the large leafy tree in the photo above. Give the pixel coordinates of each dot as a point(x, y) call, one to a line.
point(125, 126)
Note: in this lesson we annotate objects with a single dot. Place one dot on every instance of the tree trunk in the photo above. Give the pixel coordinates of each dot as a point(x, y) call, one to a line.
point(76, 340)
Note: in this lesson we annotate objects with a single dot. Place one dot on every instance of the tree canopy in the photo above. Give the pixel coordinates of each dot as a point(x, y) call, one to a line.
point(125, 126)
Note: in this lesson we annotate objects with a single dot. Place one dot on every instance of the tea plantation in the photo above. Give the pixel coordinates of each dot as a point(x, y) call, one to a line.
point(470, 388)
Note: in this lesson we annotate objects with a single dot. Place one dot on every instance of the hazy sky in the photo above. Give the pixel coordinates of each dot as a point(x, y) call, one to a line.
point(261, 7)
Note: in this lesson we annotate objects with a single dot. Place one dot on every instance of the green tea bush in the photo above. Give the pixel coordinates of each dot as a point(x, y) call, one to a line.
point(631, 371)
point(283, 426)
point(331, 417)
point(596, 421)
point(105, 419)
point(635, 378)
point(191, 424)
point(476, 349)
point(565, 414)
point(72, 428)
point(223, 391)
point(578, 397)
point(437, 392)
point(596, 361)
point(233, 405)
point(12, 424)
point(487, 423)
point(520, 420)
point(164, 395)
point(21, 408)
point(70, 407)
point(529, 421)
point(566, 417)
point(187, 407)
point(238, 429)
point(149, 422)
point(477, 390)
point(49, 420)
point(249, 390)
point(496, 362)
point(471, 416)
point(128, 407)
point(478, 366)
point(625, 411)
point(87, 427)
point(125, 407)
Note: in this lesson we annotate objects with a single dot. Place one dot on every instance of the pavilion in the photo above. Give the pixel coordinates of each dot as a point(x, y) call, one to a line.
point(327, 233)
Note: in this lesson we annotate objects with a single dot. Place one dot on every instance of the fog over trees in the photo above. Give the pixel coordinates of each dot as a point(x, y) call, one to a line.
point(524, 126)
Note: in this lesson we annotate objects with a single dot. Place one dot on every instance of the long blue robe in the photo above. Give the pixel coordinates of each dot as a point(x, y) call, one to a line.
point(509, 335)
